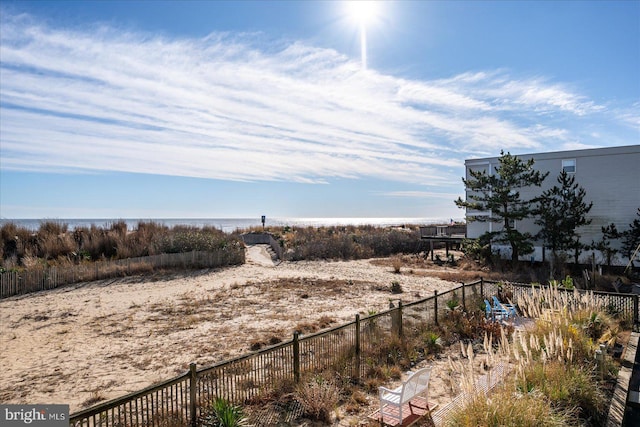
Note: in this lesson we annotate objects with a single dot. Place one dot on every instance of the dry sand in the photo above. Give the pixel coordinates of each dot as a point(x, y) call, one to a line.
point(82, 344)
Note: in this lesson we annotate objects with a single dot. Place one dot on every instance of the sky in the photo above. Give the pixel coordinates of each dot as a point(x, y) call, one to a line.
point(213, 109)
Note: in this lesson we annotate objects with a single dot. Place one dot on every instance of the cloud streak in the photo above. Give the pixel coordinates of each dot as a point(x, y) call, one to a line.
point(228, 107)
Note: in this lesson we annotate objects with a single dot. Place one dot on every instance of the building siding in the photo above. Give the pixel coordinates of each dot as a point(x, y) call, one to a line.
point(610, 177)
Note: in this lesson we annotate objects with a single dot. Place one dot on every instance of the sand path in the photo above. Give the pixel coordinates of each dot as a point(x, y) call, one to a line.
point(85, 343)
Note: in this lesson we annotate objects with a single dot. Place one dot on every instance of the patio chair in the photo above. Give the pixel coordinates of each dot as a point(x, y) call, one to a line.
point(495, 313)
point(510, 308)
point(392, 401)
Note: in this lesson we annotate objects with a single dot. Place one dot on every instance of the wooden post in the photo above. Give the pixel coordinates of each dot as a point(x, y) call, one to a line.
point(435, 305)
point(193, 384)
point(431, 244)
point(593, 270)
point(357, 356)
point(296, 357)
point(400, 318)
point(482, 287)
point(464, 298)
point(635, 310)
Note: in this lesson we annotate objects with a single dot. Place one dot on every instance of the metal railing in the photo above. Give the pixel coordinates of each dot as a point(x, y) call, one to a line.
point(346, 348)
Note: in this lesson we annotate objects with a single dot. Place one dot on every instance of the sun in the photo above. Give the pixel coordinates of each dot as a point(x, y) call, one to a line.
point(363, 12)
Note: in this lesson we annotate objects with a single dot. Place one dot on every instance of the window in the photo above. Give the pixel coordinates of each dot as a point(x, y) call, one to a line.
point(569, 166)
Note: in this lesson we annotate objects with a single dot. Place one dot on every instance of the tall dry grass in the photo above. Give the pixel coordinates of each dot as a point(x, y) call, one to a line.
point(556, 379)
point(54, 244)
point(349, 242)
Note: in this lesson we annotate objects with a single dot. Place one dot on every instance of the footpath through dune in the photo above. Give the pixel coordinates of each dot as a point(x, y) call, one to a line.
point(259, 255)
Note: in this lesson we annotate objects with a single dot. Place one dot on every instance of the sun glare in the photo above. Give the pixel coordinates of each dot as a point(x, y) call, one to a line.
point(363, 11)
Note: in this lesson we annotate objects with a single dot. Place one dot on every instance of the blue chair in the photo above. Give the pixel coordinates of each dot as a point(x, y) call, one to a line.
point(509, 308)
point(495, 313)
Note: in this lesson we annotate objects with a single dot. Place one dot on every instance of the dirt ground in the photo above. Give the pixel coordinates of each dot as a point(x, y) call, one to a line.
point(86, 343)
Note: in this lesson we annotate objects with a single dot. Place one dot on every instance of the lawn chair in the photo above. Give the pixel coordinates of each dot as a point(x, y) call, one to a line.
point(392, 401)
point(510, 308)
point(495, 313)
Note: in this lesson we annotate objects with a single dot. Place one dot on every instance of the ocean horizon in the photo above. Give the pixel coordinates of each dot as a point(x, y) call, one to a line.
point(227, 224)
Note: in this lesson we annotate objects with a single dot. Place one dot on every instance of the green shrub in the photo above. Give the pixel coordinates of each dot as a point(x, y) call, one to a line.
point(221, 413)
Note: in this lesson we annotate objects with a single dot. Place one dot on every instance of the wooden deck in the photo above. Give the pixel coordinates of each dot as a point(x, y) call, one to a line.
point(419, 408)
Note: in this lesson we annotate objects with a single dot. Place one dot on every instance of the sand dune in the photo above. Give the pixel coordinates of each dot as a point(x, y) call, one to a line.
point(94, 341)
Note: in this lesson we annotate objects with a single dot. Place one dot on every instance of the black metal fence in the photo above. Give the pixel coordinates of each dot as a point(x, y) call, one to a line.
point(346, 348)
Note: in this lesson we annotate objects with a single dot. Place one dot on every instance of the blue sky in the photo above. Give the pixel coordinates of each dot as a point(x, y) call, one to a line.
point(238, 109)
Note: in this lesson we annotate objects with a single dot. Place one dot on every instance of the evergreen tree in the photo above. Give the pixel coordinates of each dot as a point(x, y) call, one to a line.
point(561, 212)
point(498, 195)
point(631, 237)
point(609, 233)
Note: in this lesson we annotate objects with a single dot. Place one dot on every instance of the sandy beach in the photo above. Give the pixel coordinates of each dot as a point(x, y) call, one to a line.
point(83, 344)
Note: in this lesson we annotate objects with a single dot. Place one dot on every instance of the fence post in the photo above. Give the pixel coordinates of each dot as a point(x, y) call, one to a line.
point(296, 357)
point(400, 318)
point(482, 287)
point(464, 298)
point(635, 309)
point(193, 384)
point(357, 347)
point(435, 305)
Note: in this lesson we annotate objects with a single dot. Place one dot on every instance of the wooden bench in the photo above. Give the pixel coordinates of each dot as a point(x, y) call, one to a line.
point(392, 401)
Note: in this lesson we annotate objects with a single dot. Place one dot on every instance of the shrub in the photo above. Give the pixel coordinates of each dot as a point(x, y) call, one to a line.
point(396, 288)
point(396, 263)
point(54, 244)
point(568, 387)
point(221, 413)
point(351, 242)
point(319, 397)
point(508, 409)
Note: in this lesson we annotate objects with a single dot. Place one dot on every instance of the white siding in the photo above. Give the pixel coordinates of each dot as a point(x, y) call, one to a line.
point(610, 177)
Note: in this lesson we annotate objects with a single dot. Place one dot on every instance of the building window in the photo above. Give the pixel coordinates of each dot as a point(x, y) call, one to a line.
point(569, 166)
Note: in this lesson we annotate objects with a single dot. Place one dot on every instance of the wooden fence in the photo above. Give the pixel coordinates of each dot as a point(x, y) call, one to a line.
point(23, 282)
point(349, 349)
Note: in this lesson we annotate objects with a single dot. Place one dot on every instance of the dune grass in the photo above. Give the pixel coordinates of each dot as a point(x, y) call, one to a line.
point(55, 244)
point(557, 380)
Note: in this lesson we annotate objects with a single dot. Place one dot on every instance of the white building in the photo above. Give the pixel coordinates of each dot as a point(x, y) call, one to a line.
point(610, 177)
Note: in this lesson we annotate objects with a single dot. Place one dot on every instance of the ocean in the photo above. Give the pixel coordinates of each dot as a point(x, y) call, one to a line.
point(227, 225)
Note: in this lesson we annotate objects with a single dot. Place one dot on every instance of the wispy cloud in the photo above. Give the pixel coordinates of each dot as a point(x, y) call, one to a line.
point(228, 107)
point(422, 194)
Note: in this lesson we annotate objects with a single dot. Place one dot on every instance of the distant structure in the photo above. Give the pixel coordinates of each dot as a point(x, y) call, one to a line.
point(610, 176)
point(451, 235)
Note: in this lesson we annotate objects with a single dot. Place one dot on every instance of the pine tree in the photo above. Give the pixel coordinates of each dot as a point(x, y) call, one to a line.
point(609, 233)
point(498, 194)
point(562, 210)
point(631, 237)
